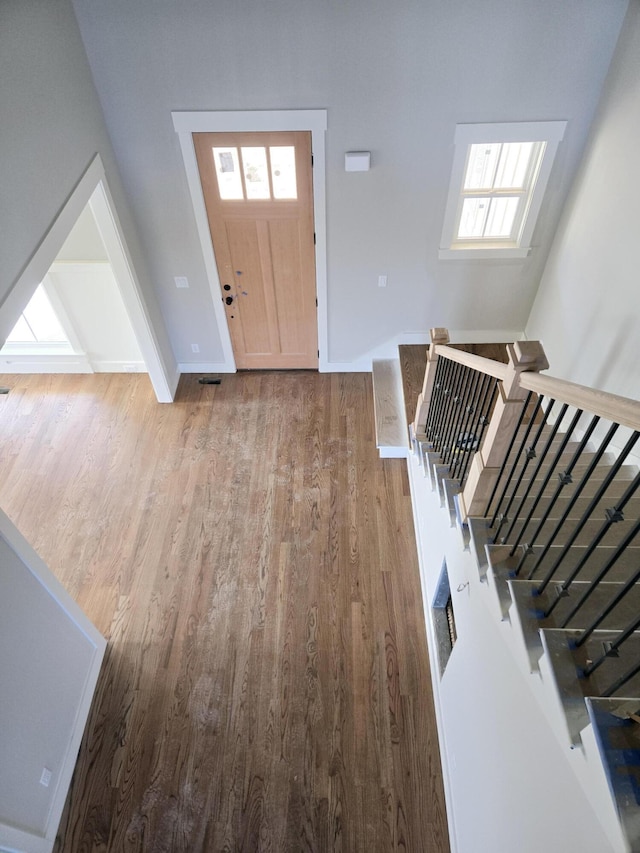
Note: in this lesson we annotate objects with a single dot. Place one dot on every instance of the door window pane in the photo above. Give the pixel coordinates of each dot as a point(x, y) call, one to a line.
point(283, 171)
point(256, 176)
point(228, 173)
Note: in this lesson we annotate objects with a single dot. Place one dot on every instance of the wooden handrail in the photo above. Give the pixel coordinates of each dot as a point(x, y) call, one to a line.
point(477, 362)
point(620, 410)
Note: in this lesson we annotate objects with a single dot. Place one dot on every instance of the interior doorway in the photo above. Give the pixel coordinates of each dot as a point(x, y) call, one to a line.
point(93, 189)
point(76, 321)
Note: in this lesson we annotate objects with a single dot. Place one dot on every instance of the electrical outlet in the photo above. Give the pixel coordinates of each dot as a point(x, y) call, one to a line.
point(195, 348)
point(45, 777)
point(382, 281)
point(181, 281)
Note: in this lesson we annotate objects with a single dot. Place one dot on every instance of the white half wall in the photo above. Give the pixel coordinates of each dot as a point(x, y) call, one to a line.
point(512, 782)
point(50, 659)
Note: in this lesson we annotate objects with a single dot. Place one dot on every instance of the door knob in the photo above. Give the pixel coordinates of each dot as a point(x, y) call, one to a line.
point(229, 300)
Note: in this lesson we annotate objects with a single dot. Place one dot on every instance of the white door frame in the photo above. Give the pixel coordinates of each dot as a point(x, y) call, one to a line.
point(315, 121)
point(92, 188)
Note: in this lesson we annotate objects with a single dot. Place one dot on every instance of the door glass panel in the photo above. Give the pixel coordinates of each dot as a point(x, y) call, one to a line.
point(256, 176)
point(228, 173)
point(502, 214)
point(474, 215)
point(283, 171)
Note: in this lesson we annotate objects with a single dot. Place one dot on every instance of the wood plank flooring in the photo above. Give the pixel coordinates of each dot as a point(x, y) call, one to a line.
point(252, 563)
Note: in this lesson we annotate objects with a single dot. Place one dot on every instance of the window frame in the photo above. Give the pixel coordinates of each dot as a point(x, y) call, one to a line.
point(549, 132)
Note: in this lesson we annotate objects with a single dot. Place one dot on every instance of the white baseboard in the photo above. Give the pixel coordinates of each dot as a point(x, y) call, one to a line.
point(389, 349)
point(205, 367)
point(45, 364)
point(119, 367)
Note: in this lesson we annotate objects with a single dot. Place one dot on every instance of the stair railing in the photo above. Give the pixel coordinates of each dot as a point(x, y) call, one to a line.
point(536, 456)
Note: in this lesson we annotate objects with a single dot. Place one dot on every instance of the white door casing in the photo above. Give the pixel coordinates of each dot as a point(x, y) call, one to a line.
point(315, 121)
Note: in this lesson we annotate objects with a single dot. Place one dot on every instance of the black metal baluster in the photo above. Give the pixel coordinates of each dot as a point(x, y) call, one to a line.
point(483, 423)
point(531, 453)
point(509, 449)
point(631, 535)
point(436, 396)
point(622, 681)
point(565, 479)
point(487, 398)
point(614, 515)
point(449, 406)
point(587, 513)
point(612, 649)
point(436, 427)
point(541, 460)
point(470, 407)
point(454, 414)
point(516, 462)
point(458, 416)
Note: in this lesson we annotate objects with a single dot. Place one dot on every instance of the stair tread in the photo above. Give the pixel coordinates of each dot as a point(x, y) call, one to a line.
point(617, 735)
point(392, 435)
point(628, 562)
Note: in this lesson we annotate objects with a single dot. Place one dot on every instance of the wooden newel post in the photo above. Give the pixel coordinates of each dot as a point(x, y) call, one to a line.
point(524, 356)
point(438, 336)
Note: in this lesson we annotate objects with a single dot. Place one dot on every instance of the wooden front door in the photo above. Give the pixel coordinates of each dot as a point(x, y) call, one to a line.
point(258, 191)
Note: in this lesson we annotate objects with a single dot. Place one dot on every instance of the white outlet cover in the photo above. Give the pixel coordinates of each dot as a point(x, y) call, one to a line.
point(181, 281)
point(45, 778)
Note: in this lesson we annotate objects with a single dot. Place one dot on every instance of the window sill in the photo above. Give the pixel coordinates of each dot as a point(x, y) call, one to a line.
point(485, 253)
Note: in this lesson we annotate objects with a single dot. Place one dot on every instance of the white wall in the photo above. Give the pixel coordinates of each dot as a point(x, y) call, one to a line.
point(84, 242)
point(52, 128)
point(395, 78)
point(50, 658)
point(89, 293)
point(587, 312)
point(512, 781)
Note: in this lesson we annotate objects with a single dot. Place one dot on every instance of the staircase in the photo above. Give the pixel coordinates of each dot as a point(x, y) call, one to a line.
point(532, 545)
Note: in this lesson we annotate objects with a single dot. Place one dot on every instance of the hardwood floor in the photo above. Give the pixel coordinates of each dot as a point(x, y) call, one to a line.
point(252, 563)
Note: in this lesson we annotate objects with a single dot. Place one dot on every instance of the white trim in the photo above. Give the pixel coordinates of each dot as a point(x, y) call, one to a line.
point(105, 214)
point(416, 486)
point(389, 349)
point(111, 366)
point(205, 367)
point(93, 188)
point(12, 838)
point(44, 363)
point(315, 121)
point(478, 253)
point(551, 132)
